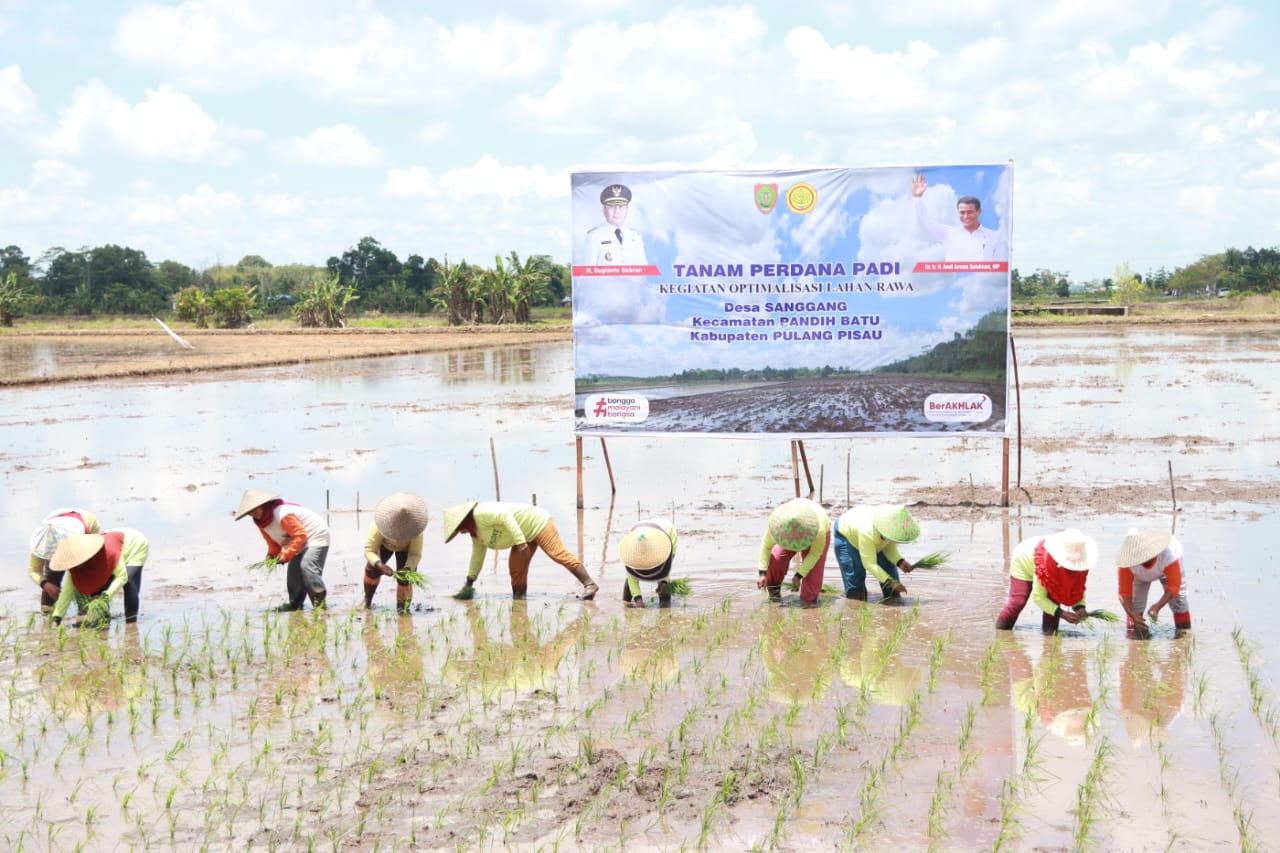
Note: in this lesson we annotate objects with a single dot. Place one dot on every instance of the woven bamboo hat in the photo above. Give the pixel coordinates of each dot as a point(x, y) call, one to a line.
point(46, 537)
point(644, 547)
point(252, 499)
point(1072, 550)
point(895, 523)
point(1141, 545)
point(76, 550)
point(454, 516)
point(794, 524)
point(401, 516)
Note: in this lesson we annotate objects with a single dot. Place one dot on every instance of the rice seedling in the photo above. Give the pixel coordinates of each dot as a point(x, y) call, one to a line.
point(1101, 615)
point(679, 586)
point(410, 577)
point(933, 560)
point(267, 566)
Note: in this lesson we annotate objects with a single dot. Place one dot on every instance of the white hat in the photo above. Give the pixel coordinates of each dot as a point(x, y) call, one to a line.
point(252, 499)
point(1140, 546)
point(1072, 550)
point(645, 547)
point(45, 538)
point(401, 516)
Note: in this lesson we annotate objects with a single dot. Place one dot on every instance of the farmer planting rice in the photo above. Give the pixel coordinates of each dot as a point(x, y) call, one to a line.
point(868, 537)
point(100, 565)
point(295, 536)
point(799, 526)
point(1050, 571)
point(1144, 557)
point(398, 522)
point(524, 529)
point(647, 552)
point(53, 528)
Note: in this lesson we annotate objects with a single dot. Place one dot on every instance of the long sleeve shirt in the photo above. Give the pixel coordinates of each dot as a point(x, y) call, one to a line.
point(134, 550)
point(501, 525)
point(376, 541)
point(1167, 570)
point(1022, 565)
point(961, 244)
point(291, 530)
point(811, 554)
point(857, 525)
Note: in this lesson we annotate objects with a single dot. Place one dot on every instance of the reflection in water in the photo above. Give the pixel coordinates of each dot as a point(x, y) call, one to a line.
point(796, 651)
point(395, 669)
point(1152, 686)
point(95, 671)
point(649, 647)
point(504, 365)
point(526, 663)
point(875, 666)
point(1055, 689)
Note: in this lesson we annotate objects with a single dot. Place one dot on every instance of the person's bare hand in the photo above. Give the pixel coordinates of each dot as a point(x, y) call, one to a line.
point(906, 567)
point(918, 185)
point(899, 588)
point(1154, 613)
point(1072, 616)
point(760, 582)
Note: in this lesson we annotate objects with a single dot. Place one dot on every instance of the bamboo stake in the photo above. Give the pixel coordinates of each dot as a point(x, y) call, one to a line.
point(493, 455)
point(795, 466)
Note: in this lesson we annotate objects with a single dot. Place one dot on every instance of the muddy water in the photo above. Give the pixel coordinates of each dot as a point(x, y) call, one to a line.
point(1189, 726)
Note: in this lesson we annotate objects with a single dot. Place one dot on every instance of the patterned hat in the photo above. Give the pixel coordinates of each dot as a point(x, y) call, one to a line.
point(794, 524)
point(76, 550)
point(645, 547)
point(895, 523)
point(45, 538)
point(401, 516)
point(252, 499)
point(454, 516)
point(1140, 546)
point(1072, 550)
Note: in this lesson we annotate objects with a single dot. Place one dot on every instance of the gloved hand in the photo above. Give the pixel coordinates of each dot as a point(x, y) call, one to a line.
point(467, 593)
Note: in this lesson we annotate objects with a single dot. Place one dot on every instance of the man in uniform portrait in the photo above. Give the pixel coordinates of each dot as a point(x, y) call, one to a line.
point(612, 243)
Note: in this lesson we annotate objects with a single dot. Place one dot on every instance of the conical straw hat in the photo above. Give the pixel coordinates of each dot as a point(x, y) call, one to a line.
point(644, 548)
point(895, 524)
point(252, 499)
point(794, 524)
point(45, 538)
point(454, 516)
point(1140, 546)
point(401, 516)
point(75, 550)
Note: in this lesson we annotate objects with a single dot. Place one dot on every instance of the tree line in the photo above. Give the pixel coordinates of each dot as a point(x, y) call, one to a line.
point(1247, 270)
point(366, 278)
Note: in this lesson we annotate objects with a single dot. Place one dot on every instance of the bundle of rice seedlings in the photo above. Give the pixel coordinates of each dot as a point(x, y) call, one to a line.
point(679, 586)
point(936, 560)
point(268, 565)
point(98, 612)
point(1102, 615)
point(411, 577)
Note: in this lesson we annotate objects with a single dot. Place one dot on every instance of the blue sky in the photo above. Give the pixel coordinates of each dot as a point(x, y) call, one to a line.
point(1145, 132)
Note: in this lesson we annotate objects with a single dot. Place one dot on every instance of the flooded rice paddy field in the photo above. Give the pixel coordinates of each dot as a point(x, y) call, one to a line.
point(723, 722)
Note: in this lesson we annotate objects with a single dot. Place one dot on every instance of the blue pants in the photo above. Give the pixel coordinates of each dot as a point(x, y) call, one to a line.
point(852, 570)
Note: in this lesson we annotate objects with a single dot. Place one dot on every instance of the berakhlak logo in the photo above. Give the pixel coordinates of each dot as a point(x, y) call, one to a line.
point(615, 408)
point(801, 197)
point(766, 197)
point(957, 408)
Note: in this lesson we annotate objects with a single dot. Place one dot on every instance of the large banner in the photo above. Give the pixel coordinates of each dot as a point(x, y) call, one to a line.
point(818, 302)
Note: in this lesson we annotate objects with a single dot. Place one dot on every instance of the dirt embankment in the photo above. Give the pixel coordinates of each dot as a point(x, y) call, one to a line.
point(145, 352)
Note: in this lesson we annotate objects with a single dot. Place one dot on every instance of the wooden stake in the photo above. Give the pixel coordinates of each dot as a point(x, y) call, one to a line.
point(493, 455)
point(613, 489)
point(804, 460)
point(578, 442)
point(795, 466)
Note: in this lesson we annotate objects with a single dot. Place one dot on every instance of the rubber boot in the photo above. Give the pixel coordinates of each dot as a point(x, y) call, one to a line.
point(775, 591)
point(589, 587)
point(519, 592)
point(317, 601)
point(857, 595)
point(664, 594)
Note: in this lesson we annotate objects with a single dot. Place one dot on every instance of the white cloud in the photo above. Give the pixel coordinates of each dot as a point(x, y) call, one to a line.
point(165, 125)
point(488, 176)
point(56, 176)
point(1201, 199)
point(338, 145)
point(899, 83)
point(412, 182)
point(339, 50)
point(1212, 134)
point(206, 203)
point(18, 104)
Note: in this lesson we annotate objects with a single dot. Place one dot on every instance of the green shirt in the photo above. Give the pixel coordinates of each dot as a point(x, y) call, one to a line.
point(857, 526)
point(501, 525)
point(812, 554)
point(633, 583)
